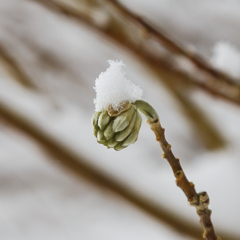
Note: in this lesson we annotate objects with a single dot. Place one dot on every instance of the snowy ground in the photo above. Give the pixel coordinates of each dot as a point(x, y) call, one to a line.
point(39, 200)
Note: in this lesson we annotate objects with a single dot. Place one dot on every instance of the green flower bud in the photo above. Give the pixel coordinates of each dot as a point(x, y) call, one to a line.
point(117, 129)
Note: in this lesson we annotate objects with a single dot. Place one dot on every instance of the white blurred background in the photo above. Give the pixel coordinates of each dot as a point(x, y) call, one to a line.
point(56, 182)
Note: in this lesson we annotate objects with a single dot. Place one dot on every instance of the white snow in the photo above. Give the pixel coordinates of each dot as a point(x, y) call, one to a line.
point(226, 57)
point(112, 87)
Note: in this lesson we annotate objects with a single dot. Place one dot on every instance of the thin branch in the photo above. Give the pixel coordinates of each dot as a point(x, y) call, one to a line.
point(198, 200)
point(19, 74)
point(204, 129)
point(15, 69)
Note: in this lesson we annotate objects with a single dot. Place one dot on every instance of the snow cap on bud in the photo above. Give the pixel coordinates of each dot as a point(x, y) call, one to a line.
point(116, 122)
point(112, 88)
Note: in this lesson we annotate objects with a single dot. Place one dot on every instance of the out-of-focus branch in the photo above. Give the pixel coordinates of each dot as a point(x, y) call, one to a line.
point(15, 69)
point(135, 37)
point(204, 129)
point(202, 126)
point(173, 45)
point(217, 81)
point(75, 163)
point(19, 73)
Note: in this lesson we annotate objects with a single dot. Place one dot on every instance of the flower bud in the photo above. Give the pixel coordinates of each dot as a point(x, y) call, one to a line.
point(117, 129)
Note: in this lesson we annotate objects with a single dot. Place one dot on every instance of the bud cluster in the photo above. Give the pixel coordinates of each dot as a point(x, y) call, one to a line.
point(117, 129)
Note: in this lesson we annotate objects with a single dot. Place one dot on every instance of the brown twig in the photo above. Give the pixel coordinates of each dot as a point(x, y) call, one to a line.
point(199, 200)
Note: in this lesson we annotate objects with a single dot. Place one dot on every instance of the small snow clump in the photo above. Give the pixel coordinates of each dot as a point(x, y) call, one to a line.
point(113, 87)
point(226, 57)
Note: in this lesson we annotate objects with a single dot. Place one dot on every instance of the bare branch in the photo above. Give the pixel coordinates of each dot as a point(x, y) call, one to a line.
point(198, 200)
point(15, 69)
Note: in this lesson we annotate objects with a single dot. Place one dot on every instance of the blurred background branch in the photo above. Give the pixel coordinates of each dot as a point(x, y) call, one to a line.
point(173, 45)
point(13, 68)
point(135, 34)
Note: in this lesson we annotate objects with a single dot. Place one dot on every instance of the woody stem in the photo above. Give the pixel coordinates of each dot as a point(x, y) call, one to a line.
point(199, 200)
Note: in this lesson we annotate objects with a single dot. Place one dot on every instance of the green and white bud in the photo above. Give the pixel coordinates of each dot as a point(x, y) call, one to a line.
point(116, 122)
point(117, 129)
